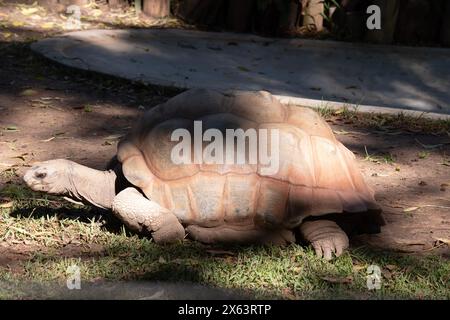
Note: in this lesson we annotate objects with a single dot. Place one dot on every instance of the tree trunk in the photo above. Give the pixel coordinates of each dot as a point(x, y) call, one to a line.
point(389, 14)
point(203, 12)
point(186, 8)
point(419, 21)
point(312, 14)
point(47, 2)
point(291, 19)
point(61, 5)
point(239, 14)
point(75, 2)
point(445, 28)
point(117, 3)
point(355, 5)
point(267, 19)
point(138, 6)
point(157, 8)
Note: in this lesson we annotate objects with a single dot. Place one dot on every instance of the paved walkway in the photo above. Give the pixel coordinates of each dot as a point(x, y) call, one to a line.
point(307, 72)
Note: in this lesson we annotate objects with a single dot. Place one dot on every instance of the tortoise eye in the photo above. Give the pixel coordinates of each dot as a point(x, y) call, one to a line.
point(40, 175)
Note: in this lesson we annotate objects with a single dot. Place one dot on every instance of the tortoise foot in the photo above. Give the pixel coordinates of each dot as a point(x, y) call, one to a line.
point(169, 230)
point(326, 237)
point(141, 214)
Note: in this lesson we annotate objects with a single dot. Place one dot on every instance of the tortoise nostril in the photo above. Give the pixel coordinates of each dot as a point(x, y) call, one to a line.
point(40, 175)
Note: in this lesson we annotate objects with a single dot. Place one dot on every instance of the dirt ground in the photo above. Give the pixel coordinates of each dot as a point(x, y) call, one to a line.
point(49, 111)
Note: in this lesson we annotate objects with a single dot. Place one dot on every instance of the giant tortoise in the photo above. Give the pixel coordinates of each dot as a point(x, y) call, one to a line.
point(316, 192)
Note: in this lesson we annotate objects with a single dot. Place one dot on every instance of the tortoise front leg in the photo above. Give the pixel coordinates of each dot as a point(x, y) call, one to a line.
point(326, 237)
point(140, 214)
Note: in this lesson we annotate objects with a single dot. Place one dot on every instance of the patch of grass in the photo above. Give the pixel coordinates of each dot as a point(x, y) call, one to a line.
point(16, 192)
point(369, 157)
point(387, 122)
point(62, 235)
point(386, 158)
point(291, 272)
point(43, 220)
point(423, 154)
point(347, 111)
point(325, 111)
point(87, 108)
point(8, 174)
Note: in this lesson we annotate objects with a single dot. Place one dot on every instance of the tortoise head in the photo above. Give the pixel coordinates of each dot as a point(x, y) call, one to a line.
point(51, 176)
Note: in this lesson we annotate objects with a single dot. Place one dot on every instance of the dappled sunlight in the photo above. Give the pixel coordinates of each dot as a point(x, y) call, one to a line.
point(57, 112)
point(128, 267)
point(18, 18)
point(427, 101)
point(87, 120)
point(79, 110)
point(226, 61)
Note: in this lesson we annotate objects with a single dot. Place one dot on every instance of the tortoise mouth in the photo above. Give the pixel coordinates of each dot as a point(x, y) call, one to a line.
point(30, 178)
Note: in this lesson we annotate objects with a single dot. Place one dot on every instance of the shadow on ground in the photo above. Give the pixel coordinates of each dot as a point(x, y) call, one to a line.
point(50, 111)
point(63, 113)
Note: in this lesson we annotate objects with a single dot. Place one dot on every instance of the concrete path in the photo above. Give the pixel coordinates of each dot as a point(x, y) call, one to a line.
point(307, 72)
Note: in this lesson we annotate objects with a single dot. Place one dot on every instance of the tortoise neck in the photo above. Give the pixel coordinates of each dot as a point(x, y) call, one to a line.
point(92, 186)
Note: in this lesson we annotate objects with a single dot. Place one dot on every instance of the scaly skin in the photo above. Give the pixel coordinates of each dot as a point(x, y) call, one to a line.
point(96, 187)
point(326, 237)
point(141, 214)
point(71, 179)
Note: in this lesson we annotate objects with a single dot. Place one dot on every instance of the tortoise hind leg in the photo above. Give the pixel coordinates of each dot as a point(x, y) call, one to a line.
point(141, 214)
point(326, 237)
point(228, 234)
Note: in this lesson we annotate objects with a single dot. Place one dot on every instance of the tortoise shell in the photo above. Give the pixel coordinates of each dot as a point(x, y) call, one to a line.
point(317, 174)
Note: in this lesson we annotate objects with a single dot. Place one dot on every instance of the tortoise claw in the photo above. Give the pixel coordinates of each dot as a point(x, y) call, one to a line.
point(170, 230)
point(326, 237)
